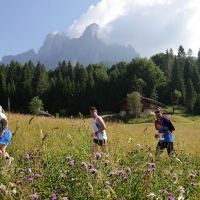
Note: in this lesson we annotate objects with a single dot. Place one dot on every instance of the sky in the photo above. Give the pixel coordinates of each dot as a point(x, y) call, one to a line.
point(150, 26)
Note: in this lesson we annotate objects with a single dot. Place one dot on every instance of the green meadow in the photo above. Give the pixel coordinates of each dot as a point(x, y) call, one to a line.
point(51, 161)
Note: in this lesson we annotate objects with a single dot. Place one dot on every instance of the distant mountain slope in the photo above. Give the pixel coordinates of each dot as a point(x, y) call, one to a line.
point(86, 49)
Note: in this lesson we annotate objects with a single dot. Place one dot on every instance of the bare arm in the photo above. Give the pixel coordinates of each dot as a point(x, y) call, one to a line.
point(5, 122)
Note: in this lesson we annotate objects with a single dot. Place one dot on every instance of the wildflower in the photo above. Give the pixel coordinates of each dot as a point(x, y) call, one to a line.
point(37, 176)
point(125, 178)
point(68, 157)
point(148, 170)
point(151, 195)
point(150, 155)
point(33, 156)
point(164, 191)
point(26, 155)
point(152, 164)
point(192, 175)
point(19, 181)
point(120, 172)
point(83, 164)
point(128, 169)
point(54, 197)
point(7, 192)
point(138, 145)
point(182, 190)
point(93, 171)
point(89, 166)
point(2, 187)
point(170, 198)
point(60, 191)
point(14, 191)
point(71, 163)
point(64, 198)
point(112, 173)
point(98, 155)
point(129, 140)
point(35, 196)
point(173, 175)
point(107, 183)
point(30, 180)
point(29, 170)
point(106, 163)
point(38, 149)
point(93, 161)
point(193, 183)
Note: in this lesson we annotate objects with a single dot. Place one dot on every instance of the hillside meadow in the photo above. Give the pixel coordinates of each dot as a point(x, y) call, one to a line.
point(51, 161)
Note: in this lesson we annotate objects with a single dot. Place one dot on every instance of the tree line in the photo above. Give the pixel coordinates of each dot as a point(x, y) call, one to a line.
point(67, 90)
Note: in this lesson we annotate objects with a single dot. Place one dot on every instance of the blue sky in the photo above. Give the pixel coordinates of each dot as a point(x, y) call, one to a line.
point(150, 26)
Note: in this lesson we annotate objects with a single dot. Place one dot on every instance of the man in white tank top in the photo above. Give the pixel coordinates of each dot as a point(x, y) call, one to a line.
point(99, 137)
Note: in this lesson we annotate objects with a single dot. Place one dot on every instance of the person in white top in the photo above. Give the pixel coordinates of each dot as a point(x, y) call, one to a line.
point(5, 136)
point(99, 137)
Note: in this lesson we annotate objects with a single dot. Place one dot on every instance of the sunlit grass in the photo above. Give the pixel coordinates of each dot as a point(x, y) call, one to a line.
point(57, 146)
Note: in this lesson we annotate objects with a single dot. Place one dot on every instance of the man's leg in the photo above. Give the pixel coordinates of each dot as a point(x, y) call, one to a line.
point(159, 149)
point(93, 150)
point(105, 147)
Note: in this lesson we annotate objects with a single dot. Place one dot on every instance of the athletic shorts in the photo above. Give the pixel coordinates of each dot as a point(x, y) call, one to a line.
point(165, 145)
point(6, 138)
point(100, 142)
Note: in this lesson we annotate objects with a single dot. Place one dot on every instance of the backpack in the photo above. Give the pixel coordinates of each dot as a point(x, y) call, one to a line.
point(169, 123)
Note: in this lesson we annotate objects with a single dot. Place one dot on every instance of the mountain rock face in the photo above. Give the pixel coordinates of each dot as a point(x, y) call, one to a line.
point(86, 49)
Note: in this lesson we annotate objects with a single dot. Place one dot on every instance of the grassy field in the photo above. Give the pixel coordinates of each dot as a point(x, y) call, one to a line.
point(51, 161)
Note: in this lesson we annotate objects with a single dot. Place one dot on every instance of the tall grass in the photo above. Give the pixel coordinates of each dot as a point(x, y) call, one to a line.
point(51, 161)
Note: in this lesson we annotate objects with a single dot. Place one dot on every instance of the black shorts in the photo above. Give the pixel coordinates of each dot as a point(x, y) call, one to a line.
point(100, 142)
point(165, 145)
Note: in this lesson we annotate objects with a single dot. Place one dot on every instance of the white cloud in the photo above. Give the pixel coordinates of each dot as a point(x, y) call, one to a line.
point(150, 26)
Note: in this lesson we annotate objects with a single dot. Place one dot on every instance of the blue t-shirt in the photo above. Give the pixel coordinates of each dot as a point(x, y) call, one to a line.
point(165, 135)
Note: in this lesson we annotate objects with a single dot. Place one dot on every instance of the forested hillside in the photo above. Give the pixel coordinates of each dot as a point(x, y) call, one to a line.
point(68, 90)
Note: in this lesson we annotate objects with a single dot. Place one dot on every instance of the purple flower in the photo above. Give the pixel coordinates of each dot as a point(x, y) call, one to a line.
point(107, 183)
point(26, 155)
point(93, 161)
point(152, 164)
point(120, 172)
point(98, 155)
point(30, 180)
point(93, 171)
point(64, 198)
point(138, 145)
point(38, 149)
point(60, 191)
point(106, 163)
point(71, 163)
point(170, 198)
point(125, 178)
point(193, 183)
point(150, 155)
point(128, 169)
point(83, 164)
point(29, 170)
point(192, 175)
point(112, 173)
point(173, 175)
point(89, 166)
point(35, 196)
point(19, 181)
point(54, 197)
point(182, 190)
point(33, 156)
point(37, 176)
point(164, 191)
point(68, 157)
point(148, 170)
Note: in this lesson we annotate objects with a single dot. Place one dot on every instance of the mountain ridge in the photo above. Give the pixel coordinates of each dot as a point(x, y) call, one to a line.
point(87, 49)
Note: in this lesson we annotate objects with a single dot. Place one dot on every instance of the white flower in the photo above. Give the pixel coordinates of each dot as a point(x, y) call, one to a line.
point(14, 191)
point(2, 187)
point(151, 195)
